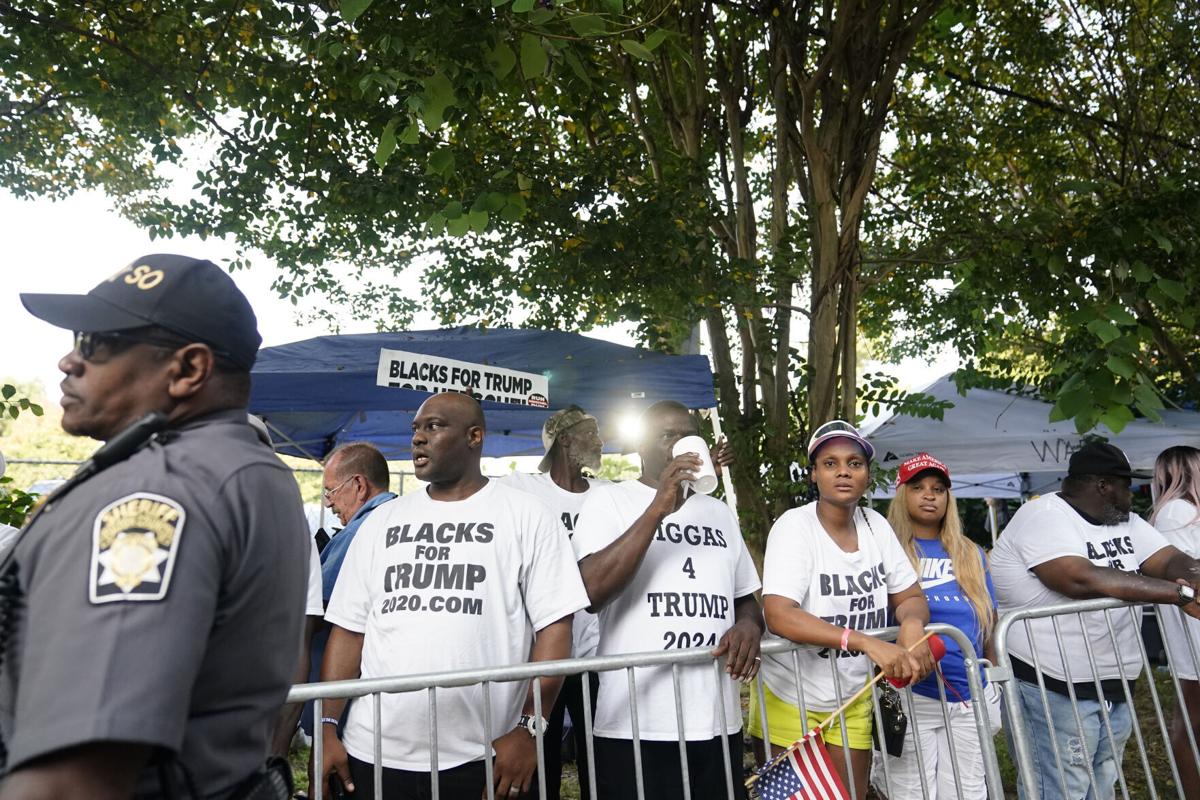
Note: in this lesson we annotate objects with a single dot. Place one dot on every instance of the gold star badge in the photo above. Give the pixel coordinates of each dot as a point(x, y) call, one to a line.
point(134, 543)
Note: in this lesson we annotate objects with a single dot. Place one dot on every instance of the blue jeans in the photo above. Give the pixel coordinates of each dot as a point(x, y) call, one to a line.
point(1095, 748)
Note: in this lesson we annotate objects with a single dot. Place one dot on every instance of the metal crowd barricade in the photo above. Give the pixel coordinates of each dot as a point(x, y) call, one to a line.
point(674, 659)
point(1113, 615)
point(973, 666)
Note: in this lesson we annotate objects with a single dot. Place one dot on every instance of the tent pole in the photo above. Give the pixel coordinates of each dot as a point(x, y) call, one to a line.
point(288, 440)
point(726, 484)
point(993, 518)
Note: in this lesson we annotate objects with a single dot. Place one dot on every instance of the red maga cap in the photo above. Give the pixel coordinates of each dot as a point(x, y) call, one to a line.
point(918, 464)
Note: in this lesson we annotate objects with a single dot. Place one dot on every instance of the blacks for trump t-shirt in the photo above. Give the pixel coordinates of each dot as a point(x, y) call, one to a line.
point(437, 586)
point(1048, 528)
point(849, 590)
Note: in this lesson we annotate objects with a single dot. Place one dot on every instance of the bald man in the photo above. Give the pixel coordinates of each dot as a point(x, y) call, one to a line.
point(466, 574)
point(668, 569)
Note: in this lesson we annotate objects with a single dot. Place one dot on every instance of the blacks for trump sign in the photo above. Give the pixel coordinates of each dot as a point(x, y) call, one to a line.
point(402, 370)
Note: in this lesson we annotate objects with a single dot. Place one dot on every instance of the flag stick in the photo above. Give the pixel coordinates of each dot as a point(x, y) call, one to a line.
point(828, 720)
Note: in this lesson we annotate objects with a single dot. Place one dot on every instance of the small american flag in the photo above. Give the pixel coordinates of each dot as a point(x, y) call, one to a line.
point(806, 773)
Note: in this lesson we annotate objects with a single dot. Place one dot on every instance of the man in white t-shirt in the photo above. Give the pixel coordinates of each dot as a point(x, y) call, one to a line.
point(1083, 543)
point(466, 574)
point(573, 446)
point(668, 570)
point(571, 438)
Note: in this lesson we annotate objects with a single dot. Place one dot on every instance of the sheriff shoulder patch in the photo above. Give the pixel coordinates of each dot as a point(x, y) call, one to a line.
point(134, 542)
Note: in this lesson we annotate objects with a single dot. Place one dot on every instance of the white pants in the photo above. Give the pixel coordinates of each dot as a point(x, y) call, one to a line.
point(1176, 630)
point(926, 717)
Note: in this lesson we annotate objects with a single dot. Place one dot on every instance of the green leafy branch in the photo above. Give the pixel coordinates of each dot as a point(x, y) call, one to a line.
point(878, 390)
point(12, 406)
point(15, 504)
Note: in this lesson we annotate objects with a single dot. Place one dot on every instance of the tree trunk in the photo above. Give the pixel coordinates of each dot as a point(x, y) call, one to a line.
point(848, 342)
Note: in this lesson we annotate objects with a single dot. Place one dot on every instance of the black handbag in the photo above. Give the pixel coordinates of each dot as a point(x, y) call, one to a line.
point(889, 734)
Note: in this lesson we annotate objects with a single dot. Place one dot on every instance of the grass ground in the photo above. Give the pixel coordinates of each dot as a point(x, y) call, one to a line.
point(1139, 784)
point(1138, 781)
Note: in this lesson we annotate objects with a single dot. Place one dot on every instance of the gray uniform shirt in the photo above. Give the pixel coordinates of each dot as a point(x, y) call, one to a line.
point(163, 605)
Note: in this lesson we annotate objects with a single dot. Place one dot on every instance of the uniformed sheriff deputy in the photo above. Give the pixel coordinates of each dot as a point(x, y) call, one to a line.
point(158, 608)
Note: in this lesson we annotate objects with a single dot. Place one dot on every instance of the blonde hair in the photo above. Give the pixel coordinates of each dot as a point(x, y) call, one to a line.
point(1176, 477)
point(965, 556)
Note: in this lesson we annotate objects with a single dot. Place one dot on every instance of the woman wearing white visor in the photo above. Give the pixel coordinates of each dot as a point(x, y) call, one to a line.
point(833, 570)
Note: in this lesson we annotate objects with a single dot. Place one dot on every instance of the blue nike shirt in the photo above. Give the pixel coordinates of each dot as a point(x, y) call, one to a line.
point(950, 605)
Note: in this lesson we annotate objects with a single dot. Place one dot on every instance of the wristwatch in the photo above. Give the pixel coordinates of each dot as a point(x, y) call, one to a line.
point(1186, 595)
point(531, 724)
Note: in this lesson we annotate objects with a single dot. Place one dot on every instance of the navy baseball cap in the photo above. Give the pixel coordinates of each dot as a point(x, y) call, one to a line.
point(190, 297)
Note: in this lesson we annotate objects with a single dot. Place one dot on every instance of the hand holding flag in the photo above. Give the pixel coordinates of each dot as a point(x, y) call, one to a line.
point(805, 771)
point(937, 649)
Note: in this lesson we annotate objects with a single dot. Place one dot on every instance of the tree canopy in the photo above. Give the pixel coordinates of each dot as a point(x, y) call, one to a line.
point(1010, 179)
point(1046, 189)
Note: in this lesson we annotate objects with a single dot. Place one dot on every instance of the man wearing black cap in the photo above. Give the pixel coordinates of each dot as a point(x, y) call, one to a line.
point(152, 611)
point(1078, 544)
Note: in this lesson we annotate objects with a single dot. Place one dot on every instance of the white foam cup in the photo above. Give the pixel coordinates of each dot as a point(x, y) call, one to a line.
point(706, 476)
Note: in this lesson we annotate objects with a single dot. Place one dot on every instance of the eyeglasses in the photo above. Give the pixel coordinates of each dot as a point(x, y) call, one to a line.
point(329, 493)
point(109, 343)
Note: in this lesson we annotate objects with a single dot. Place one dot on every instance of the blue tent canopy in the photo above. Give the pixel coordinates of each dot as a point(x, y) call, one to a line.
point(321, 392)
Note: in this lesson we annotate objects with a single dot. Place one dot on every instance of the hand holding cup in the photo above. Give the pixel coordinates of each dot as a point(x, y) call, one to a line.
point(706, 477)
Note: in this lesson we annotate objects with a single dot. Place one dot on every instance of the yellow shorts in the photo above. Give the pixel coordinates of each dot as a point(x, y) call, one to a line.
point(783, 720)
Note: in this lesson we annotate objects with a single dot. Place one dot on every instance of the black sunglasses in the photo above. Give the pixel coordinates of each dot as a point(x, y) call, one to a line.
point(109, 343)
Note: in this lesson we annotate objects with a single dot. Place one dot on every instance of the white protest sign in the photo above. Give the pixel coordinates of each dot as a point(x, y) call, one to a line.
point(402, 370)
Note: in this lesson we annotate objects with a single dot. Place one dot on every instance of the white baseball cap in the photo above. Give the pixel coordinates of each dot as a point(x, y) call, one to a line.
point(838, 429)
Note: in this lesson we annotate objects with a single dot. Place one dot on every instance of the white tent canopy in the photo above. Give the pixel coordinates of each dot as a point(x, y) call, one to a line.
point(989, 432)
